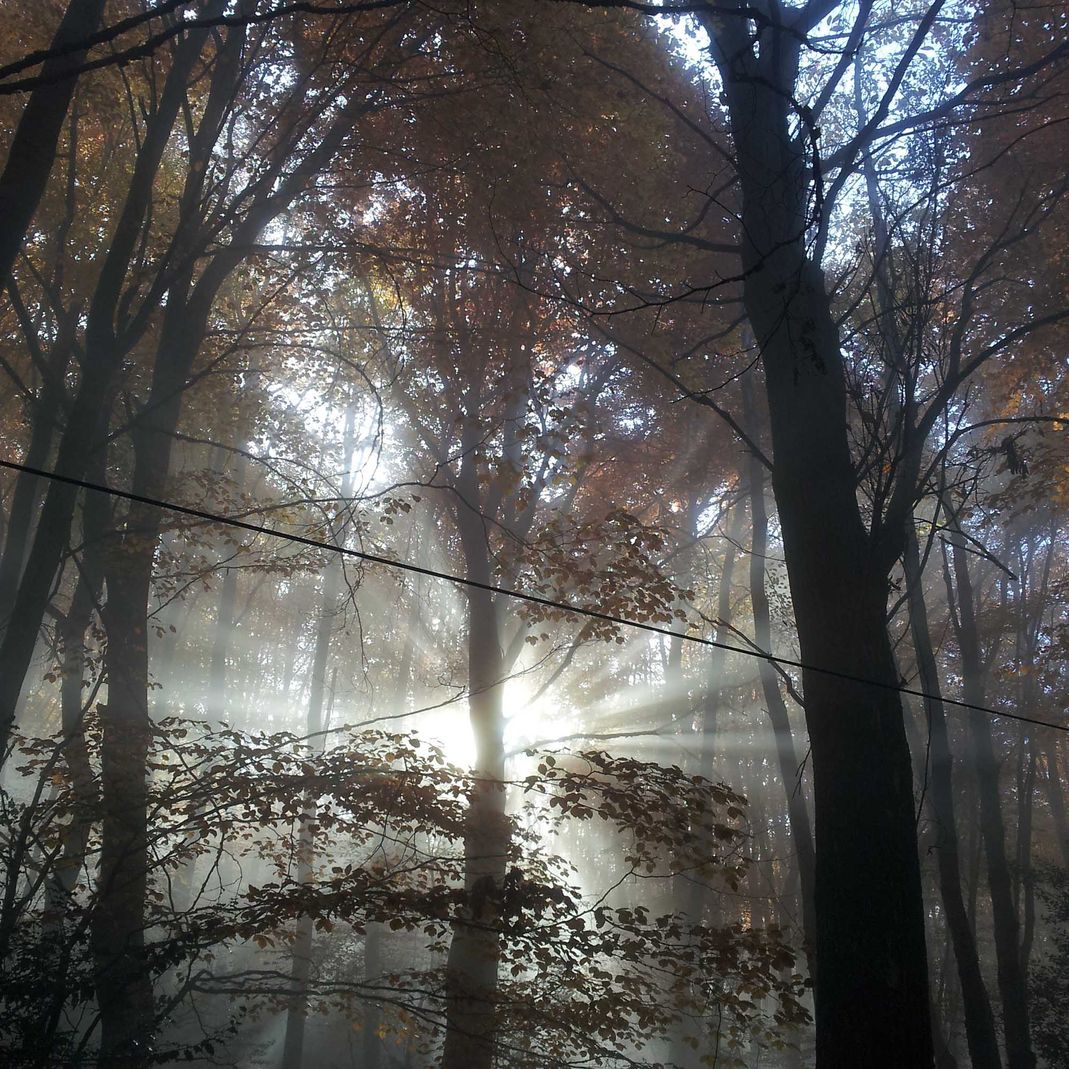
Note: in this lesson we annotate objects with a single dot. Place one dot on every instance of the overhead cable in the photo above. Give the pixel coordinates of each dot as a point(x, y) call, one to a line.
point(518, 595)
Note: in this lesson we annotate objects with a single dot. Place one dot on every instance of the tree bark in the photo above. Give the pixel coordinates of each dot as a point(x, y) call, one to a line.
point(871, 987)
point(72, 635)
point(121, 971)
point(1056, 801)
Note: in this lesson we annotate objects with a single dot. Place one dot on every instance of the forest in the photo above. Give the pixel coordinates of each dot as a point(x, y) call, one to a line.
point(533, 533)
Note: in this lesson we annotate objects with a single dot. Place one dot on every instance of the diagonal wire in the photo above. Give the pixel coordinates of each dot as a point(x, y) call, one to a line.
point(518, 595)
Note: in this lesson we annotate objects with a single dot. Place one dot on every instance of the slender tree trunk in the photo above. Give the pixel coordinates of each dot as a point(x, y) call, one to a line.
point(1056, 801)
point(72, 635)
point(301, 968)
point(797, 811)
point(1011, 981)
point(1027, 894)
point(973, 850)
point(224, 624)
point(979, 1020)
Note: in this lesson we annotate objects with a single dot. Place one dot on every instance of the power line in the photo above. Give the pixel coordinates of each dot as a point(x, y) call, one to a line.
point(519, 595)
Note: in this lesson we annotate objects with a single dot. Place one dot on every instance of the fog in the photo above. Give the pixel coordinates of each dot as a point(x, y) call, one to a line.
point(533, 535)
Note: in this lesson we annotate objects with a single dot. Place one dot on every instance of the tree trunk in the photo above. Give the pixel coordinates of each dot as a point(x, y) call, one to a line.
point(797, 811)
point(72, 634)
point(1056, 801)
point(224, 624)
point(1026, 799)
point(979, 1019)
point(301, 968)
point(871, 988)
point(33, 148)
point(123, 982)
point(472, 963)
point(1003, 910)
point(124, 986)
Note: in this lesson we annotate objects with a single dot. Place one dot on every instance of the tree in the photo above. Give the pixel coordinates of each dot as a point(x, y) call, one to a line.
point(33, 148)
point(395, 802)
point(871, 961)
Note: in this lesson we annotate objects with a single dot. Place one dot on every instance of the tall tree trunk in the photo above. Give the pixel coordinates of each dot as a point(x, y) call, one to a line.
point(1027, 902)
point(123, 982)
point(474, 952)
point(72, 635)
point(872, 979)
point(787, 756)
point(301, 967)
point(872, 959)
point(124, 986)
point(979, 1019)
point(33, 148)
point(869, 918)
point(1011, 983)
point(224, 623)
